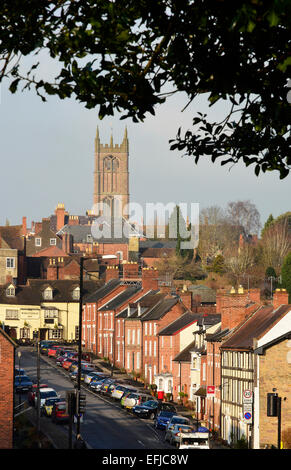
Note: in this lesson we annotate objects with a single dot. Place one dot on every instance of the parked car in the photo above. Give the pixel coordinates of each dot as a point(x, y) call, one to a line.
point(22, 383)
point(45, 393)
point(150, 409)
point(47, 407)
point(106, 384)
point(66, 364)
point(60, 360)
point(52, 351)
point(178, 419)
point(59, 412)
point(32, 393)
point(96, 384)
point(74, 365)
point(74, 374)
point(92, 375)
point(162, 418)
point(133, 399)
point(120, 390)
point(18, 371)
point(45, 345)
point(173, 433)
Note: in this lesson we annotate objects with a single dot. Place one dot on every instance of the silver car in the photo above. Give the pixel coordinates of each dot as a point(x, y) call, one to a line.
point(173, 433)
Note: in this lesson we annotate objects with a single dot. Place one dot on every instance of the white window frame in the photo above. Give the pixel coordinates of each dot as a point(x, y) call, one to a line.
point(37, 241)
point(10, 263)
point(53, 241)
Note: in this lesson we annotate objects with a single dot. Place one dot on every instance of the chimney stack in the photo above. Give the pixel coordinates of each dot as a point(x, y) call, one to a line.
point(60, 213)
point(112, 272)
point(150, 279)
point(280, 297)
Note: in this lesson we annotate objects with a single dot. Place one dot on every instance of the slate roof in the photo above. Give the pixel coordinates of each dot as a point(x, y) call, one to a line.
point(102, 291)
point(186, 319)
point(181, 322)
point(255, 326)
point(32, 294)
point(121, 298)
point(185, 355)
point(144, 244)
point(12, 235)
point(118, 231)
point(160, 309)
point(134, 307)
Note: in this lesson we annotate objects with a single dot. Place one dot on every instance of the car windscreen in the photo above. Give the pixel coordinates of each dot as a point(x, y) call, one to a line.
point(185, 428)
point(51, 401)
point(22, 378)
point(151, 404)
point(62, 407)
point(180, 421)
point(49, 394)
point(165, 414)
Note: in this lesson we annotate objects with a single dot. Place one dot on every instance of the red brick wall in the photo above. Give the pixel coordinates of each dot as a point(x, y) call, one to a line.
point(213, 378)
point(6, 393)
point(175, 312)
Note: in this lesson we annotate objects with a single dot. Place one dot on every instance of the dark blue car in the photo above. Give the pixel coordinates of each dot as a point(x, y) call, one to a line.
point(22, 383)
point(162, 419)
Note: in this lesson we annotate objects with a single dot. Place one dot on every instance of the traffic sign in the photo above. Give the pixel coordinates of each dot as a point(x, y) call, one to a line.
point(210, 390)
point(247, 396)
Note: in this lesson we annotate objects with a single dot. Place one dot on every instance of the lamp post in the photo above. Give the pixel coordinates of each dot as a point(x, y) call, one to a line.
point(19, 379)
point(82, 259)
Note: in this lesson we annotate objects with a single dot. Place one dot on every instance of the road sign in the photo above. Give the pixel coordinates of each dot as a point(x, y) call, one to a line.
point(210, 390)
point(247, 396)
point(248, 412)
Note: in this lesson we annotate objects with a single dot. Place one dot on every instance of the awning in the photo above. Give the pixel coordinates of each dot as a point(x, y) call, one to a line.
point(201, 392)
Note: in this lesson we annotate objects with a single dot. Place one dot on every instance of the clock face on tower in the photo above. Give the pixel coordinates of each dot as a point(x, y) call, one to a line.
point(111, 175)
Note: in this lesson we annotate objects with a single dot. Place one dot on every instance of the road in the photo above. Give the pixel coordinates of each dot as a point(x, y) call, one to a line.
point(105, 424)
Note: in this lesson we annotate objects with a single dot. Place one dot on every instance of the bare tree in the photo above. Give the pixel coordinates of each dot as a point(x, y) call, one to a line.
point(239, 262)
point(215, 234)
point(176, 267)
point(244, 214)
point(276, 244)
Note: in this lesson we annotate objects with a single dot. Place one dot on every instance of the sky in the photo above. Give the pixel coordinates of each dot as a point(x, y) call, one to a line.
point(47, 157)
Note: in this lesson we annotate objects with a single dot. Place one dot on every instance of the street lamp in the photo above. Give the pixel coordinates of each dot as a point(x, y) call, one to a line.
point(19, 379)
point(82, 259)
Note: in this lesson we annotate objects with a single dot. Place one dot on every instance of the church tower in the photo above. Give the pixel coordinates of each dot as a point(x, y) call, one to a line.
point(111, 177)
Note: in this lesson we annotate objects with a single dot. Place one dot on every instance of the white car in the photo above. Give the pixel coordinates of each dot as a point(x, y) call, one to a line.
point(120, 390)
point(44, 394)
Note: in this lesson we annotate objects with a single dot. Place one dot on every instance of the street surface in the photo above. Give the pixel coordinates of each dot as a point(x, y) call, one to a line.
point(105, 426)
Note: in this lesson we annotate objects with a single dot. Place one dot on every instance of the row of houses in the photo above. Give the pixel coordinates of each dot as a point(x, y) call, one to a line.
point(211, 360)
point(205, 349)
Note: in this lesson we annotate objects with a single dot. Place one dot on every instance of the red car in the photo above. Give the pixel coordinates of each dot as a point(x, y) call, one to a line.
point(67, 363)
point(32, 393)
point(59, 412)
point(53, 351)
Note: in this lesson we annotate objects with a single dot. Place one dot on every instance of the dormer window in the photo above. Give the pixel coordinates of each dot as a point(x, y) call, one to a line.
point(38, 242)
point(10, 291)
point(76, 293)
point(53, 241)
point(48, 293)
